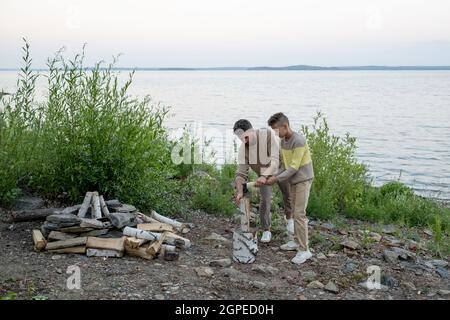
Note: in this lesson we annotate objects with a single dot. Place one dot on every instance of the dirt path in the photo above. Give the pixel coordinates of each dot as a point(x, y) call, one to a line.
point(43, 275)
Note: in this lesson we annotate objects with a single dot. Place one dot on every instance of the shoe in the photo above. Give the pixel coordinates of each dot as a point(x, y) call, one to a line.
point(266, 236)
point(290, 226)
point(290, 246)
point(301, 257)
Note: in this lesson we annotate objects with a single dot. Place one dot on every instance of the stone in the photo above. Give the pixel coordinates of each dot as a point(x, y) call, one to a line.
point(442, 272)
point(428, 232)
point(375, 236)
point(315, 285)
point(226, 262)
point(438, 263)
point(404, 254)
point(389, 281)
point(159, 297)
point(321, 256)
point(258, 284)
point(350, 267)
point(265, 269)
point(443, 292)
point(331, 287)
point(390, 256)
point(408, 285)
point(215, 237)
point(389, 229)
point(56, 257)
point(204, 272)
point(350, 244)
point(308, 275)
point(328, 226)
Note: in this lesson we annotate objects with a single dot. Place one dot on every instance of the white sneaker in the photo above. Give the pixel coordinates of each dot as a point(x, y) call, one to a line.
point(290, 246)
point(301, 257)
point(290, 226)
point(266, 236)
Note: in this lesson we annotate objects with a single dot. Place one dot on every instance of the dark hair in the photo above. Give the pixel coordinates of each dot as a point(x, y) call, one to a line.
point(242, 124)
point(278, 118)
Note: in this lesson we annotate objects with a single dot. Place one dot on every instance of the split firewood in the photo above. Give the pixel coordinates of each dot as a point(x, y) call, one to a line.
point(33, 215)
point(140, 252)
point(134, 242)
point(104, 207)
point(96, 209)
point(154, 247)
point(156, 227)
point(141, 234)
point(167, 248)
point(117, 244)
point(75, 242)
point(176, 224)
point(122, 219)
point(58, 236)
point(85, 206)
point(39, 240)
point(79, 249)
point(176, 240)
point(91, 252)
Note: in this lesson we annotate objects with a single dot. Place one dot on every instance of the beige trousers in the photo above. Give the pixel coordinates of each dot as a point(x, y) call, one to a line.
point(300, 196)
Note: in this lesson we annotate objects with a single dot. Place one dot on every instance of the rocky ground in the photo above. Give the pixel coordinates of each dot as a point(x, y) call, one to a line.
point(343, 252)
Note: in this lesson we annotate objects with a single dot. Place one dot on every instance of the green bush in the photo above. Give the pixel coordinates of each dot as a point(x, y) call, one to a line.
point(89, 134)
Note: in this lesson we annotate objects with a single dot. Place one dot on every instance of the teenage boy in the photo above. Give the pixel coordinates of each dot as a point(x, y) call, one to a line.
point(259, 151)
point(297, 170)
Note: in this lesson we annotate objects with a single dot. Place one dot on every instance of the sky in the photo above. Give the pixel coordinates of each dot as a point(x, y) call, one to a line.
point(206, 33)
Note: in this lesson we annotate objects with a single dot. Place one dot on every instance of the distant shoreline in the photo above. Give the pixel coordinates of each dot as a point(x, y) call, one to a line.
point(286, 68)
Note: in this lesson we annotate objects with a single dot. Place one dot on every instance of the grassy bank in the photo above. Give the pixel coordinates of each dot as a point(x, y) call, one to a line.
point(89, 134)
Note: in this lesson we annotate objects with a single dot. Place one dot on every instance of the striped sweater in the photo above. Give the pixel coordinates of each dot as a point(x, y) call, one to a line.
point(296, 160)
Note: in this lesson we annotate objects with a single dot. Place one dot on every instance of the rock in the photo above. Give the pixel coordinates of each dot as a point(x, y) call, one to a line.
point(308, 275)
point(375, 236)
point(438, 263)
point(389, 229)
point(443, 292)
point(315, 285)
point(408, 285)
point(56, 257)
point(428, 232)
point(343, 232)
point(350, 244)
point(159, 297)
point(204, 272)
point(392, 241)
point(442, 272)
point(258, 284)
point(389, 281)
point(328, 226)
point(29, 203)
point(331, 287)
point(390, 256)
point(350, 267)
point(226, 262)
point(215, 237)
point(404, 254)
point(265, 269)
point(321, 256)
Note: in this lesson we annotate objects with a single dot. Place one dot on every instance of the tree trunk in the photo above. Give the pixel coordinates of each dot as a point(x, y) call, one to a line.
point(33, 215)
point(86, 204)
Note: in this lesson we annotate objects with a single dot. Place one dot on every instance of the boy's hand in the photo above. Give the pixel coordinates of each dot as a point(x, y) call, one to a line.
point(270, 181)
point(260, 181)
point(238, 198)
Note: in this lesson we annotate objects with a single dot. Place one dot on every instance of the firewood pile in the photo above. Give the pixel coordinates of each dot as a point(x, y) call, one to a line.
point(100, 228)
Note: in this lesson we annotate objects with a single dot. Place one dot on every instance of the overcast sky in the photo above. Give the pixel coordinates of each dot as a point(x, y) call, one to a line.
point(205, 33)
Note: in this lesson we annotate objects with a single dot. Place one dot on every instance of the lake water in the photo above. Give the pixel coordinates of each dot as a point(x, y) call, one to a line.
point(401, 119)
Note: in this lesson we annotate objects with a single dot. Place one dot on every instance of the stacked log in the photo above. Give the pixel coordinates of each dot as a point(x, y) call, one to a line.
point(99, 228)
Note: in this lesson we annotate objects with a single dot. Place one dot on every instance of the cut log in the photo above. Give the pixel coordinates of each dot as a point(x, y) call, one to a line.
point(90, 252)
point(117, 244)
point(176, 224)
point(94, 233)
point(104, 207)
point(33, 215)
point(85, 205)
point(176, 240)
point(156, 227)
point(154, 247)
point(58, 236)
point(72, 210)
point(171, 255)
point(140, 252)
point(245, 247)
point(141, 234)
point(122, 219)
point(75, 242)
point(96, 209)
point(80, 249)
point(39, 240)
point(92, 223)
point(167, 248)
point(134, 242)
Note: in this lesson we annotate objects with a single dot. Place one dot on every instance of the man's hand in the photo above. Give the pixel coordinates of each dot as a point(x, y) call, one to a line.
point(270, 181)
point(260, 181)
point(237, 199)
